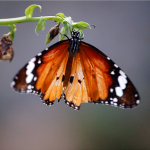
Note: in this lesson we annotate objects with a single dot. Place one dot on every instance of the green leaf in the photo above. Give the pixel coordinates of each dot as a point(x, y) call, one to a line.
point(30, 9)
point(63, 32)
point(40, 25)
point(61, 15)
point(67, 20)
point(12, 32)
point(81, 34)
point(47, 38)
point(81, 25)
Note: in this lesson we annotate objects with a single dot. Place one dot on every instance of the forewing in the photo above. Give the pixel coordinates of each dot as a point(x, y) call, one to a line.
point(43, 74)
point(105, 82)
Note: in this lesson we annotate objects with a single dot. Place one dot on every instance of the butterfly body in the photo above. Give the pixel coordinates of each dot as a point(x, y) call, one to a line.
point(74, 43)
point(79, 71)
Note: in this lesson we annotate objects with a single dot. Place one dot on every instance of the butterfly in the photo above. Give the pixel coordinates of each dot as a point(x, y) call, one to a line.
point(78, 71)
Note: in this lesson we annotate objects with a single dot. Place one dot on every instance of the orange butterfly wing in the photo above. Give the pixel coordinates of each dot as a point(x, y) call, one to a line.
point(96, 78)
point(87, 75)
point(106, 83)
point(76, 91)
point(43, 74)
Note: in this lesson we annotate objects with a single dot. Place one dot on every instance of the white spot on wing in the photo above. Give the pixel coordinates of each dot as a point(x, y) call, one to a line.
point(32, 60)
point(29, 91)
point(112, 73)
point(30, 68)
point(115, 65)
point(35, 78)
point(122, 82)
point(111, 102)
point(12, 83)
point(122, 73)
point(115, 104)
point(39, 54)
point(39, 62)
point(29, 87)
point(111, 90)
point(76, 107)
point(138, 102)
point(111, 98)
point(119, 91)
point(29, 78)
point(115, 100)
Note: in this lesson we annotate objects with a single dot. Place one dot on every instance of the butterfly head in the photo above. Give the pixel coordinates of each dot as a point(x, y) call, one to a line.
point(75, 34)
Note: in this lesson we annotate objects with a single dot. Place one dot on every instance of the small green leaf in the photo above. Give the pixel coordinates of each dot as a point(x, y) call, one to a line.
point(47, 38)
point(63, 32)
point(12, 32)
point(30, 9)
point(81, 25)
point(68, 20)
point(81, 34)
point(61, 15)
point(40, 25)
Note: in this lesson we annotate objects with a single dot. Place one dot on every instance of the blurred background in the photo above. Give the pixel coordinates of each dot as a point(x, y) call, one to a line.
point(123, 33)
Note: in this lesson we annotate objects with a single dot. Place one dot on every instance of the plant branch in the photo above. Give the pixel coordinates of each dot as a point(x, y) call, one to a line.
point(25, 19)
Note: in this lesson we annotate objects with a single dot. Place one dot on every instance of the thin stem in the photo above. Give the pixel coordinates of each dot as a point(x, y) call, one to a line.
point(25, 19)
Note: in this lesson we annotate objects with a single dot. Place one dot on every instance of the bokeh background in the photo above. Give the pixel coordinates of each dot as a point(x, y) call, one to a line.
point(123, 33)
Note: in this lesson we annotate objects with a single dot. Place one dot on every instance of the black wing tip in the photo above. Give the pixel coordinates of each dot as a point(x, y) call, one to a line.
point(123, 105)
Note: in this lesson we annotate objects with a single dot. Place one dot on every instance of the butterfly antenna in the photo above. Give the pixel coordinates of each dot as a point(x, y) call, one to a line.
point(64, 35)
point(93, 25)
